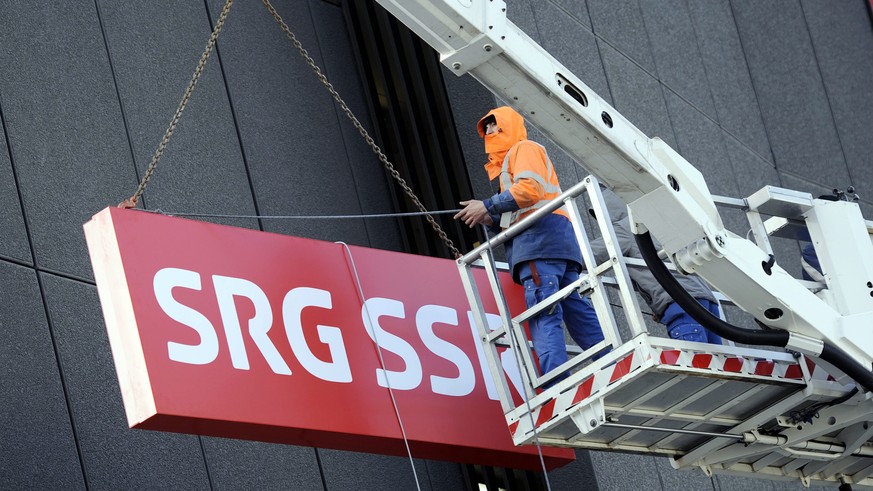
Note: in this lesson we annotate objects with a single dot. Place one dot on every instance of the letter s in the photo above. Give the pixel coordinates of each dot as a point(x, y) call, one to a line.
point(371, 311)
point(465, 382)
point(200, 354)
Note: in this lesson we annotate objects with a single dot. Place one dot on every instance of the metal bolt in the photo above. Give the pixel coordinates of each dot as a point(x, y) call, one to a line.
point(593, 422)
point(719, 240)
point(456, 65)
point(487, 48)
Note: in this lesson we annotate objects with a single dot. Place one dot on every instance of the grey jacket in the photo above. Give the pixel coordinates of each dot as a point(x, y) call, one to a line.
point(643, 280)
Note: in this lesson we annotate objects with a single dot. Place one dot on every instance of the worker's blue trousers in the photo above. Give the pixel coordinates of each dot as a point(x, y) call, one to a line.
point(682, 326)
point(575, 311)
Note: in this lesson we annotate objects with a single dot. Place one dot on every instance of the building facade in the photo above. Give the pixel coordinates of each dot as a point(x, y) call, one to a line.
point(752, 93)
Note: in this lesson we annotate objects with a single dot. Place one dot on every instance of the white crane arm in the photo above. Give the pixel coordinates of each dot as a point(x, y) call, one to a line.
point(666, 194)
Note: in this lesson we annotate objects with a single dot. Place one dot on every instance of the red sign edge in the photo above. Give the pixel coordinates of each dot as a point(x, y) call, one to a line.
point(114, 294)
point(139, 400)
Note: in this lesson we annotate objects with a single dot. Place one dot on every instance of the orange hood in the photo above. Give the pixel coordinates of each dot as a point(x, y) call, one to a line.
point(510, 131)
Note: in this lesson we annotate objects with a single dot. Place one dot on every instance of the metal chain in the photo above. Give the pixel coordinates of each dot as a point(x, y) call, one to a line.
point(376, 150)
point(131, 202)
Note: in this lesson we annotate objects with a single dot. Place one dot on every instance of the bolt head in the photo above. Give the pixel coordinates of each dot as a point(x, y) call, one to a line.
point(456, 65)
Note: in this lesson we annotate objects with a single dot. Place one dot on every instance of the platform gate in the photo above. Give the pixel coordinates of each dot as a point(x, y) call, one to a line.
point(721, 408)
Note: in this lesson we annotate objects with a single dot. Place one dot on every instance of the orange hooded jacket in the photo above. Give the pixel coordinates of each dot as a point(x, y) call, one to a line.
point(527, 173)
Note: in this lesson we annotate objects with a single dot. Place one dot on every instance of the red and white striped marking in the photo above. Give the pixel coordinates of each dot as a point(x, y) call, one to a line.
point(718, 363)
point(731, 364)
point(591, 385)
point(816, 372)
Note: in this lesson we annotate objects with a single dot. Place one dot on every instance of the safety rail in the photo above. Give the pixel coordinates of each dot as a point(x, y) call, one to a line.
point(591, 284)
point(721, 408)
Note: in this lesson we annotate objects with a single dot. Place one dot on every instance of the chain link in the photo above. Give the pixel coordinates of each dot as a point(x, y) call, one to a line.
point(131, 202)
point(376, 150)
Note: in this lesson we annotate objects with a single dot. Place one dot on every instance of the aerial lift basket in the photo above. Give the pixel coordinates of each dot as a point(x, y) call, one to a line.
point(722, 408)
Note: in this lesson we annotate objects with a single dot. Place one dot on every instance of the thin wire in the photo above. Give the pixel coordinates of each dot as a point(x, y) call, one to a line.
point(524, 372)
point(301, 217)
point(361, 130)
point(381, 360)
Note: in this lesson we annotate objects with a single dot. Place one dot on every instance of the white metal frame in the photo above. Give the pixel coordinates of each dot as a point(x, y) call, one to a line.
point(666, 193)
point(651, 395)
point(668, 196)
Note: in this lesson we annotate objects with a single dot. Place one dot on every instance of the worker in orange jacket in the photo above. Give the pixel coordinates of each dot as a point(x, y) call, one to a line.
point(545, 257)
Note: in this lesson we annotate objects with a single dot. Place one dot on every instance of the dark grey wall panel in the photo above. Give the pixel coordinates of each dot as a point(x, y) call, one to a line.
point(842, 35)
point(736, 483)
point(637, 95)
point(620, 471)
point(689, 479)
point(65, 130)
point(752, 171)
point(579, 474)
point(355, 471)
point(13, 235)
point(154, 48)
point(574, 46)
point(577, 9)
point(736, 104)
point(287, 122)
point(444, 475)
point(470, 101)
point(700, 141)
point(521, 13)
point(114, 456)
point(790, 92)
point(236, 464)
point(37, 447)
point(369, 176)
point(620, 23)
point(674, 46)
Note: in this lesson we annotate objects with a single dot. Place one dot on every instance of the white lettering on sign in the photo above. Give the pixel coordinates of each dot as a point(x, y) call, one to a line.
point(228, 289)
point(199, 354)
point(510, 365)
point(409, 378)
point(292, 307)
point(464, 383)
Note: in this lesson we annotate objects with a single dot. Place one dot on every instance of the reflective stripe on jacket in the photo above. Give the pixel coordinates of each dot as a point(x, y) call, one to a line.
point(527, 181)
point(530, 177)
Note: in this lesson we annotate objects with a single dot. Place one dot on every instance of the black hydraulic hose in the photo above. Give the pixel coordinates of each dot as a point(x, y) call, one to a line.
point(689, 304)
point(850, 367)
point(698, 312)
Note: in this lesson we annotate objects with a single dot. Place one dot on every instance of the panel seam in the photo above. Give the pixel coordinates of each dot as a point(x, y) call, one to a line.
point(827, 93)
point(117, 93)
point(233, 116)
point(63, 380)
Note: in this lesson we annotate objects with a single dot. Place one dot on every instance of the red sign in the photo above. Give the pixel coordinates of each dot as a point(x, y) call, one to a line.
point(229, 332)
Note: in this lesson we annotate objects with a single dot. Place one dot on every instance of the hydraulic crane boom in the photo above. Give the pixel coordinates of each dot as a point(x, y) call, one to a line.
point(665, 193)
